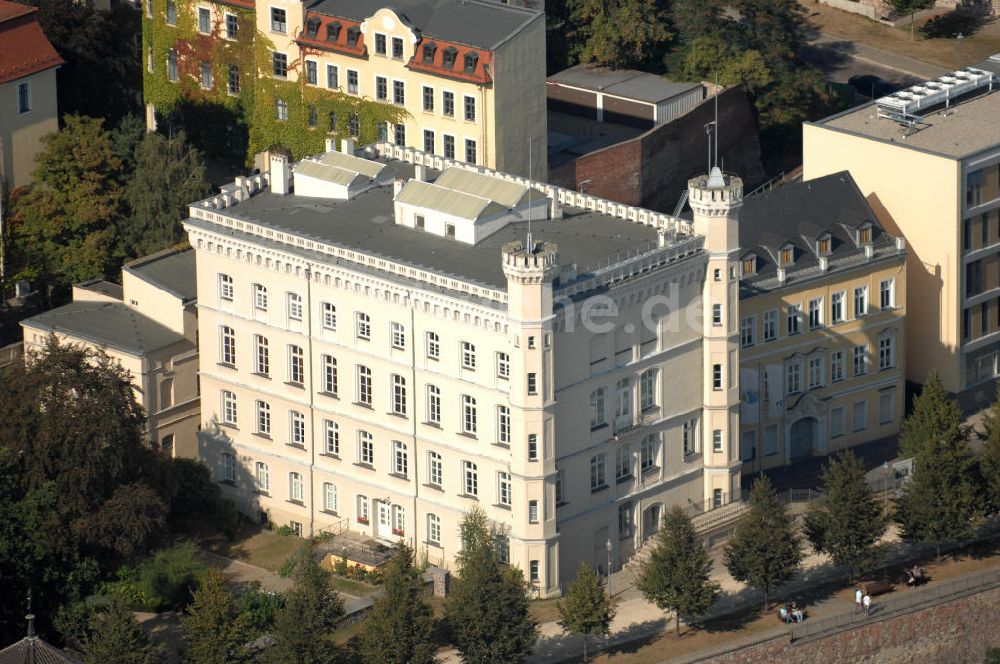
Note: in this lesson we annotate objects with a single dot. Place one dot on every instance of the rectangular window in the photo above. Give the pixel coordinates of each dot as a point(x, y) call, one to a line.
point(623, 462)
point(503, 425)
point(397, 48)
point(449, 146)
point(793, 373)
point(332, 77)
point(434, 529)
point(860, 416)
point(433, 346)
point(262, 359)
point(398, 93)
point(837, 307)
point(295, 307)
point(233, 80)
point(770, 325)
point(860, 360)
point(748, 330)
point(717, 315)
point(263, 418)
point(329, 316)
point(560, 483)
point(468, 356)
point(281, 109)
point(433, 404)
point(171, 12)
point(296, 366)
point(232, 26)
point(362, 508)
point(469, 423)
point(228, 467)
point(226, 290)
point(428, 97)
point(448, 104)
point(815, 371)
point(598, 478)
point(205, 72)
point(329, 497)
point(886, 352)
point(363, 326)
point(398, 395)
point(328, 364)
point(434, 469)
point(172, 65)
point(534, 571)
point(312, 72)
point(503, 366)
point(352, 88)
point(204, 20)
point(471, 478)
point(279, 65)
point(794, 320)
point(625, 526)
point(887, 294)
point(399, 134)
point(470, 151)
point(718, 498)
point(503, 489)
point(860, 301)
point(815, 313)
point(400, 459)
point(688, 434)
point(470, 108)
point(836, 422)
point(886, 407)
point(532, 447)
point(716, 376)
point(381, 88)
point(364, 385)
point(647, 389)
point(533, 518)
point(648, 452)
point(837, 366)
point(295, 487)
point(380, 44)
point(331, 434)
point(597, 408)
point(228, 407)
point(278, 20)
point(398, 336)
point(297, 425)
point(717, 440)
point(227, 346)
point(366, 448)
point(263, 477)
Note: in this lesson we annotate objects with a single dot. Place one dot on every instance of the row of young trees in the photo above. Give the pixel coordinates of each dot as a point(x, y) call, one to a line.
point(101, 196)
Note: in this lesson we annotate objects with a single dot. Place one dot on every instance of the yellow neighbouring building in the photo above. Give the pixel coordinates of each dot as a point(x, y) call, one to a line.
point(928, 161)
point(822, 323)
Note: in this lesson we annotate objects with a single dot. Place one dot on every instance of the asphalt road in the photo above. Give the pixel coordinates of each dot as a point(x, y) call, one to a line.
point(839, 61)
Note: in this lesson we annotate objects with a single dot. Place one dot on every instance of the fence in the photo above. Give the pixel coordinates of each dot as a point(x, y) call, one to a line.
point(913, 599)
point(11, 354)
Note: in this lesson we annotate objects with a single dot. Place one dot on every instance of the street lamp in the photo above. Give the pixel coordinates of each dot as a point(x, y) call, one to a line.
point(607, 545)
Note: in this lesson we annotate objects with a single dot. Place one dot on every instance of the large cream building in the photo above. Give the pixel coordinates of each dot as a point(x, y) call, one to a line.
point(928, 160)
point(28, 109)
point(388, 341)
point(822, 315)
point(148, 325)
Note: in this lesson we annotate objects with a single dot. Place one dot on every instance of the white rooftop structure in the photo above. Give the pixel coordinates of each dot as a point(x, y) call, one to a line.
point(905, 105)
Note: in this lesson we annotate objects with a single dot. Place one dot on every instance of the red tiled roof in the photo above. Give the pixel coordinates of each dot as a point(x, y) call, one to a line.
point(24, 49)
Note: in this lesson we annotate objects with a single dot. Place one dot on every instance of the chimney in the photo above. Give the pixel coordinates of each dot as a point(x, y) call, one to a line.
point(331, 144)
point(397, 186)
point(420, 172)
point(555, 208)
point(347, 146)
point(900, 243)
point(661, 237)
point(280, 174)
point(781, 275)
point(824, 263)
point(869, 251)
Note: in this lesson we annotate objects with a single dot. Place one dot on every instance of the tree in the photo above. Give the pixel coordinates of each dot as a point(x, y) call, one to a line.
point(989, 457)
point(116, 638)
point(618, 33)
point(935, 416)
point(312, 609)
point(169, 175)
point(585, 609)
point(404, 613)
point(487, 608)
point(773, 26)
point(214, 628)
point(846, 522)
point(941, 501)
point(764, 551)
point(66, 226)
point(677, 575)
point(911, 7)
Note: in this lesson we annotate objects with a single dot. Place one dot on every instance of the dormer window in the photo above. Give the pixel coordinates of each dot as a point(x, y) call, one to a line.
point(353, 34)
point(429, 49)
point(471, 59)
point(449, 57)
point(786, 256)
point(865, 234)
point(332, 31)
point(749, 266)
point(312, 28)
point(824, 245)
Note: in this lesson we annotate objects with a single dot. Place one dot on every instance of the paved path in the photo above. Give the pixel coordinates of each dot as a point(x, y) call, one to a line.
point(240, 572)
point(876, 57)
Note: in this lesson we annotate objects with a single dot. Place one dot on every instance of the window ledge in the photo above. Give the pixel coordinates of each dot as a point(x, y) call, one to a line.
point(624, 478)
point(598, 427)
point(228, 482)
point(436, 425)
point(502, 506)
point(366, 466)
point(330, 512)
point(400, 476)
point(262, 493)
point(503, 446)
point(265, 436)
point(436, 487)
point(598, 489)
point(229, 425)
point(436, 545)
point(300, 386)
point(465, 434)
point(562, 504)
point(469, 496)
point(363, 405)
point(401, 416)
point(298, 446)
point(227, 365)
point(331, 395)
point(296, 502)
point(329, 455)
point(260, 375)
point(649, 471)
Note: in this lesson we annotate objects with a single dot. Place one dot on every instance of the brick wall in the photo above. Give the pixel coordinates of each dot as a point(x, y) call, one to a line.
point(952, 632)
point(652, 170)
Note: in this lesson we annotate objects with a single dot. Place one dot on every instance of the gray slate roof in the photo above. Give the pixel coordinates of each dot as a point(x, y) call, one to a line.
point(799, 213)
point(32, 650)
point(171, 270)
point(366, 223)
point(111, 324)
point(470, 22)
point(627, 83)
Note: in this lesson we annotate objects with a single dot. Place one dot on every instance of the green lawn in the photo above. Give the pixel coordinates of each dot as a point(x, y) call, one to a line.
point(263, 549)
point(352, 587)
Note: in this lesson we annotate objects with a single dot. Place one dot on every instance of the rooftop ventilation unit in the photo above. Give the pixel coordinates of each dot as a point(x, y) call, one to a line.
point(904, 105)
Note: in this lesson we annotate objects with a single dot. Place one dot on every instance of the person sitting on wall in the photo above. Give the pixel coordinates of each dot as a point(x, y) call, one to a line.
point(797, 613)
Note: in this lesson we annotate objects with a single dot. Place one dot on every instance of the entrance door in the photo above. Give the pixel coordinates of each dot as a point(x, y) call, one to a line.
point(384, 521)
point(651, 518)
point(803, 437)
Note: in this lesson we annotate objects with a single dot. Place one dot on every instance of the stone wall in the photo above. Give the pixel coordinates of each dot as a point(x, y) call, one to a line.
point(952, 632)
point(652, 170)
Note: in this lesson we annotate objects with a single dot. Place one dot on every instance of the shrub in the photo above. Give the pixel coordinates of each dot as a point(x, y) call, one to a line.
point(168, 578)
point(340, 566)
point(260, 607)
point(284, 531)
point(291, 562)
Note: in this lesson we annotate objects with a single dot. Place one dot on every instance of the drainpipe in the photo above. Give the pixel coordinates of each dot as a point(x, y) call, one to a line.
point(312, 411)
point(413, 419)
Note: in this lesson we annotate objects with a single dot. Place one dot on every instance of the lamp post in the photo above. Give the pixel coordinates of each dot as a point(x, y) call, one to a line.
point(607, 545)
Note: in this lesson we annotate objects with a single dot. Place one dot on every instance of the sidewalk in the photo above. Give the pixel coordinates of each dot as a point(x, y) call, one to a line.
point(239, 572)
point(876, 56)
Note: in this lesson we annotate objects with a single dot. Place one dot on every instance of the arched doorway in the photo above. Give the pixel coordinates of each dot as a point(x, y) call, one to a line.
point(802, 437)
point(652, 516)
